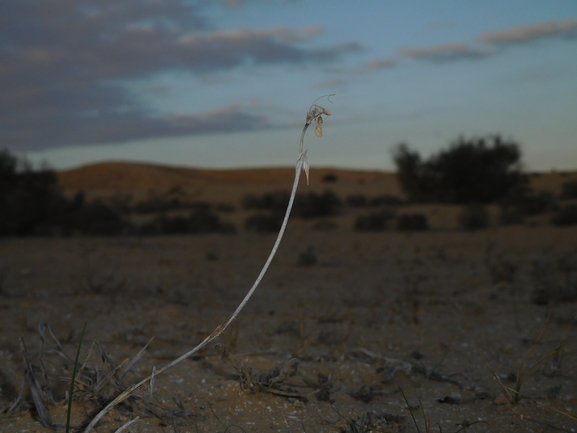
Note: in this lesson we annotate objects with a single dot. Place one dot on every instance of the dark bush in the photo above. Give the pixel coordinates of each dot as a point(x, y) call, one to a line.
point(95, 219)
point(470, 171)
point(357, 200)
point(537, 204)
point(162, 224)
point(313, 205)
point(386, 200)
point(566, 216)
point(325, 225)
point(308, 257)
point(474, 217)
point(225, 207)
point(374, 221)
point(200, 221)
point(29, 199)
point(412, 222)
point(164, 204)
point(264, 223)
point(511, 215)
point(157, 205)
point(330, 178)
point(569, 190)
point(518, 205)
point(274, 201)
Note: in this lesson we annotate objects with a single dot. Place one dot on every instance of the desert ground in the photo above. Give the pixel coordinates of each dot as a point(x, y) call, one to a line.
point(349, 331)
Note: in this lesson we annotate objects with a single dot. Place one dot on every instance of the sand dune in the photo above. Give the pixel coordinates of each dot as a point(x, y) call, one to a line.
point(105, 178)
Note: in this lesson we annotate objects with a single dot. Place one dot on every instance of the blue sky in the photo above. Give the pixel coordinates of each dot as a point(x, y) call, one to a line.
point(228, 83)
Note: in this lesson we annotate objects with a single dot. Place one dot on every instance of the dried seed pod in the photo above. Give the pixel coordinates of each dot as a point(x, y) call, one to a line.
point(326, 112)
point(319, 120)
point(319, 131)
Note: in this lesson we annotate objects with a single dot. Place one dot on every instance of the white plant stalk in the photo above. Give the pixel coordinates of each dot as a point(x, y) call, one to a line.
point(314, 114)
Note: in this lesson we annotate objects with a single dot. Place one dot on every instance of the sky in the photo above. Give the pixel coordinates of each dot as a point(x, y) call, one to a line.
point(209, 83)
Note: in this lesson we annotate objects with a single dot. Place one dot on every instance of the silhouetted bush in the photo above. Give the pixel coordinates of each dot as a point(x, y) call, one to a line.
point(163, 205)
point(95, 219)
point(511, 215)
point(566, 216)
point(29, 200)
point(470, 171)
point(412, 222)
point(330, 178)
point(325, 225)
point(537, 204)
point(522, 203)
point(357, 200)
point(386, 200)
point(274, 201)
point(308, 257)
point(313, 205)
point(264, 223)
point(157, 205)
point(474, 217)
point(569, 190)
point(225, 207)
point(200, 221)
point(376, 221)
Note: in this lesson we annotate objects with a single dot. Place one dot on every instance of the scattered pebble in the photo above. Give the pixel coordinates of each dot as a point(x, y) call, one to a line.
point(501, 400)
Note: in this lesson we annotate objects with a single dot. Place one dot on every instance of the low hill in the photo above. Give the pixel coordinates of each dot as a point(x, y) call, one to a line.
point(108, 178)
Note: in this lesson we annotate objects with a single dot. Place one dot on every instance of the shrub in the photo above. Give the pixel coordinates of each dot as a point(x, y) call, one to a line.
point(225, 207)
point(308, 257)
point(263, 223)
point(536, 204)
point(29, 199)
point(157, 205)
point(412, 222)
point(325, 225)
point(374, 221)
point(569, 190)
point(200, 221)
point(511, 215)
point(474, 217)
point(274, 201)
point(522, 203)
point(469, 171)
point(357, 200)
point(313, 205)
point(330, 178)
point(566, 216)
point(388, 200)
point(95, 219)
point(163, 205)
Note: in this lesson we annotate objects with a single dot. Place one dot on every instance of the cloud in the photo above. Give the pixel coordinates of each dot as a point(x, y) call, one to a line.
point(63, 64)
point(375, 65)
point(330, 83)
point(226, 50)
point(529, 33)
point(445, 53)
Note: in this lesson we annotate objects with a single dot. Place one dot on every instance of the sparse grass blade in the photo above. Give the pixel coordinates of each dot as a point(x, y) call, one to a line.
point(35, 389)
point(73, 379)
point(410, 410)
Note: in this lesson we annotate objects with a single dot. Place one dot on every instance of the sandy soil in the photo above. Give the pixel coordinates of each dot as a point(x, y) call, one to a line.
point(322, 347)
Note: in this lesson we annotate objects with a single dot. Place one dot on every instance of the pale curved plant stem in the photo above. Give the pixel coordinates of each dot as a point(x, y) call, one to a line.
point(302, 164)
